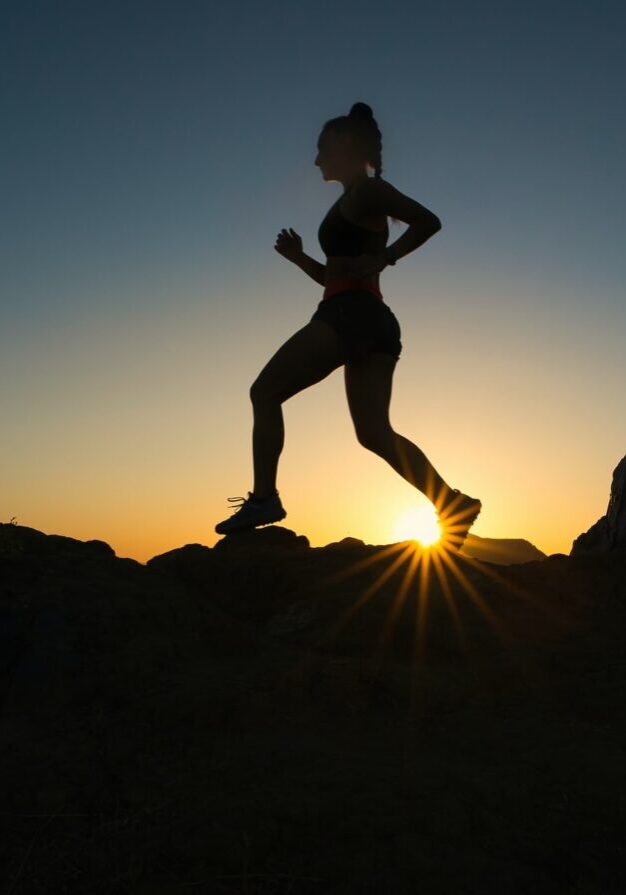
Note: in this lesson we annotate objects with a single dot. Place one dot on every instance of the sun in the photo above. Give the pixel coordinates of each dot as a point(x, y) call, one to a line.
point(418, 524)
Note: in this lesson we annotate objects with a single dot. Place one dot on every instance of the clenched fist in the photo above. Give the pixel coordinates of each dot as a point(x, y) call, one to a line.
point(288, 244)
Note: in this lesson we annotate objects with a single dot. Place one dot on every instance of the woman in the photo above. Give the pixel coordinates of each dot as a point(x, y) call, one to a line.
point(352, 326)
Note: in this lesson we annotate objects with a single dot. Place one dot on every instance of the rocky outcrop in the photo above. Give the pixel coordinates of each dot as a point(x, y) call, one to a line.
point(265, 717)
point(609, 532)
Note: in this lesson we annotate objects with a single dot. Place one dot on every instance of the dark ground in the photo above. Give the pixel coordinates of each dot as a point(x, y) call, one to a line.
point(203, 724)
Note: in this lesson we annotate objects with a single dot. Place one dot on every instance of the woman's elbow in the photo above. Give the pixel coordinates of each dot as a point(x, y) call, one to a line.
point(430, 223)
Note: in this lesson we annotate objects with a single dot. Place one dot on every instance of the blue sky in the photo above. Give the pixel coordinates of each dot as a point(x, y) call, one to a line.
point(152, 151)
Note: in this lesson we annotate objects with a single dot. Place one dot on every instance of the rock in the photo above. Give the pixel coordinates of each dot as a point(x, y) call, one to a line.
point(21, 540)
point(609, 532)
point(347, 542)
point(100, 548)
point(269, 537)
point(180, 556)
point(291, 714)
point(191, 564)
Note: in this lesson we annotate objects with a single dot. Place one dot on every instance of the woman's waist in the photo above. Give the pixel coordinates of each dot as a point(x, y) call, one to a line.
point(342, 284)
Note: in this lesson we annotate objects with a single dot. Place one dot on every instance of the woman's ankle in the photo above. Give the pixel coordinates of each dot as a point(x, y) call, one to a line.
point(263, 496)
point(445, 498)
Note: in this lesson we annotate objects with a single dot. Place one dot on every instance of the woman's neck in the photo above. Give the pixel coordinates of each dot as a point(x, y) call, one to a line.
point(357, 179)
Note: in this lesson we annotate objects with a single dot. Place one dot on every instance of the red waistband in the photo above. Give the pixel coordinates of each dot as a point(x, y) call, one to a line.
point(344, 283)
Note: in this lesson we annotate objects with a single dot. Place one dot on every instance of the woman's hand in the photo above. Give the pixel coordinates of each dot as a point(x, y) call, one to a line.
point(359, 267)
point(288, 244)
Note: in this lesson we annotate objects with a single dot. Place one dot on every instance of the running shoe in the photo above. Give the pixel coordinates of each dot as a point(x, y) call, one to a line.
point(457, 517)
point(252, 512)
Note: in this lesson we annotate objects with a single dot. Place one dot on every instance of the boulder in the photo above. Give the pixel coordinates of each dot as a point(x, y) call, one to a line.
point(609, 532)
point(261, 540)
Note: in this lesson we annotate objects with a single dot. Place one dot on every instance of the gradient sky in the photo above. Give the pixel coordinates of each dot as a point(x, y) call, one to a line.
point(152, 151)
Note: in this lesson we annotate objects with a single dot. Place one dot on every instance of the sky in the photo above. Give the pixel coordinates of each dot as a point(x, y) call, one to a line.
point(151, 153)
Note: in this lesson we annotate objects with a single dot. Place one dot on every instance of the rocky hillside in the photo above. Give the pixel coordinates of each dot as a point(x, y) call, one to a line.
point(609, 532)
point(267, 717)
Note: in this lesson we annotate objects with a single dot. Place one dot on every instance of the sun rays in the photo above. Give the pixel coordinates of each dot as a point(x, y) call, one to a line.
point(398, 602)
point(437, 572)
point(420, 524)
point(415, 562)
point(391, 593)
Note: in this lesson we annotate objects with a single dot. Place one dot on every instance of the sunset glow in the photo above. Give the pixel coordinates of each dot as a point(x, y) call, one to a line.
point(418, 524)
point(146, 179)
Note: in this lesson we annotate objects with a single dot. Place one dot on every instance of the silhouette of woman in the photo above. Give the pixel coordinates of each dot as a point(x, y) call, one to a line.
point(352, 326)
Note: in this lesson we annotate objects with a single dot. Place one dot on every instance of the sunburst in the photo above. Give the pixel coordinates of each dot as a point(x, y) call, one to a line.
point(426, 566)
point(419, 524)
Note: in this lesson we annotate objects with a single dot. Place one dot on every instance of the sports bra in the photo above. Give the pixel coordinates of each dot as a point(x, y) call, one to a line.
point(339, 236)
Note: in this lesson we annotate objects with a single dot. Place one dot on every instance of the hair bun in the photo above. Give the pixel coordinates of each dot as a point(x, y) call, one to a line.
point(361, 110)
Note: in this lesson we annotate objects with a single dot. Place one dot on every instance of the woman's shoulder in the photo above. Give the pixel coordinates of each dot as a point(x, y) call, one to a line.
point(367, 201)
point(367, 195)
point(380, 197)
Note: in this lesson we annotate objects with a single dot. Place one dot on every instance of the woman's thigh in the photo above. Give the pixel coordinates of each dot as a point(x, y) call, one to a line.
point(307, 357)
point(368, 390)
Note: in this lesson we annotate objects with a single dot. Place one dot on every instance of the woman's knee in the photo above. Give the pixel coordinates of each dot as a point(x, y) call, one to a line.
point(261, 392)
point(377, 438)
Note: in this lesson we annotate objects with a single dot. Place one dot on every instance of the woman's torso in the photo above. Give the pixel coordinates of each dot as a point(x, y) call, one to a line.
point(343, 236)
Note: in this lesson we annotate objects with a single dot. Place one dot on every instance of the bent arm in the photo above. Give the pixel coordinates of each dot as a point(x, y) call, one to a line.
point(413, 237)
point(377, 196)
point(311, 267)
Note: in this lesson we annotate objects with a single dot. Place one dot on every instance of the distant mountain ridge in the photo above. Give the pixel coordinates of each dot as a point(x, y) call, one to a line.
point(504, 551)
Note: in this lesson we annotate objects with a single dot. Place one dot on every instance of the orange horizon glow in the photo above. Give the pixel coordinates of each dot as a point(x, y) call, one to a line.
point(142, 453)
point(420, 524)
point(143, 293)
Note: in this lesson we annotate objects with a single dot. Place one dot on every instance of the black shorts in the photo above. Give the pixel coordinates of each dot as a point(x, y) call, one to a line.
point(364, 322)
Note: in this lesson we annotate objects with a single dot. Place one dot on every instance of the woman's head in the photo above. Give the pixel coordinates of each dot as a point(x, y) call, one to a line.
point(348, 143)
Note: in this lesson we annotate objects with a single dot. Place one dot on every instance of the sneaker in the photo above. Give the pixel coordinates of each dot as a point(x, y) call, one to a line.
point(457, 517)
point(252, 512)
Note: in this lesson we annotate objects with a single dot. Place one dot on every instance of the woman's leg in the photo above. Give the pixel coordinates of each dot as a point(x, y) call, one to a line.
point(304, 359)
point(368, 389)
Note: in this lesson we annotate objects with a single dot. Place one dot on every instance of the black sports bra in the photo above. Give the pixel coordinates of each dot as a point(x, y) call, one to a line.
point(339, 236)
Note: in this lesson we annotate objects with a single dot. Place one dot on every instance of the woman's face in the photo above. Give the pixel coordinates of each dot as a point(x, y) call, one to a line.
point(336, 157)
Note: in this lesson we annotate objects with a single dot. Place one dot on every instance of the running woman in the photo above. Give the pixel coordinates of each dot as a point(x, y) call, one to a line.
point(352, 327)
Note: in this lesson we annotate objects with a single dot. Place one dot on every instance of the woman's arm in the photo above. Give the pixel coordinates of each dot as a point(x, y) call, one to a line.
point(311, 267)
point(413, 237)
point(379, 198)
point(375, 197)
